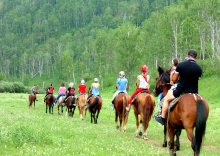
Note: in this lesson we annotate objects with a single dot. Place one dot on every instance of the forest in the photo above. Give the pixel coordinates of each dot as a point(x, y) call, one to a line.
point(82, 39)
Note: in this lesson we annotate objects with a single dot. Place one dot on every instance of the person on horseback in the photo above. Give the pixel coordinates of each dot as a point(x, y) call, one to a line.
point(62, 92)
point(95, 86)
point(187, 73)
point(82, 87)
point(175, 62)
point(143, 84)
point(121, 86)
point(50, 90)
point(34, 91)
point(70, 91)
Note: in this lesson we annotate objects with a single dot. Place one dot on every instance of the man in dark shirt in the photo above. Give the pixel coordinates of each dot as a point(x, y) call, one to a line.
point(188, 73)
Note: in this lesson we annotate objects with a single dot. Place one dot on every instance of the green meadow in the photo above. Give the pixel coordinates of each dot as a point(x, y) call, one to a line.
point(25, 131)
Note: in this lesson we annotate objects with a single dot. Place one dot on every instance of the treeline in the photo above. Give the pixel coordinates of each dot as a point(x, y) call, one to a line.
point(74, 39)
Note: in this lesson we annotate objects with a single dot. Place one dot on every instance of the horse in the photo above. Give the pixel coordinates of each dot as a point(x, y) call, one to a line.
point(81, 103)
point(61, 104)
point(50, 99)
point(143, 105)
point(94, 104)
point(190, 112)
point(32, 99)
point(163, 87)
point(120, 102)
point(70, 105)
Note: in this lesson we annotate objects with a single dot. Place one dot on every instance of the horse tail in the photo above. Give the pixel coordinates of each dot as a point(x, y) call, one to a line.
point(200, 125)
point(148, 108)
point(95, 102)
point(124, 100)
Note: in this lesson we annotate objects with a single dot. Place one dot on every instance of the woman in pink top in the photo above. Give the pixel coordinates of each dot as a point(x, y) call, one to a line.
point(62, 92)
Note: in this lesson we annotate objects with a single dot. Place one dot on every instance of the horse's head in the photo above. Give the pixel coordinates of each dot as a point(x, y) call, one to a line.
point(162, 81)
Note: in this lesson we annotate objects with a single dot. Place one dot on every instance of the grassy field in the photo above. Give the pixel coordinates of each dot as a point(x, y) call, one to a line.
point(25, 131)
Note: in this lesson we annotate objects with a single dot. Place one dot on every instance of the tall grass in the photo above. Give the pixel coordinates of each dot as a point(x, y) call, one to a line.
point(25, 131)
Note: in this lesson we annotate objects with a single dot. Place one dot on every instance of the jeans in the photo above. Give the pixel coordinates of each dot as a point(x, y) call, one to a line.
point(58, 96)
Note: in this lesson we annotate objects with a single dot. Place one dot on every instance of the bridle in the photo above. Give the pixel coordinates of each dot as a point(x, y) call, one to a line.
point(159, 88)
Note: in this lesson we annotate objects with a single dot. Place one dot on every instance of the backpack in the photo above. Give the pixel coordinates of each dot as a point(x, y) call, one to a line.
point(72, 91)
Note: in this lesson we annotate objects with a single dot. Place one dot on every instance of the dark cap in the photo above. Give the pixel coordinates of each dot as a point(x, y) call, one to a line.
point(192, 53)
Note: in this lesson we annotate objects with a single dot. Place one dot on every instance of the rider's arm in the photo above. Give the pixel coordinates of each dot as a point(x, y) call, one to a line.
point(175, 76)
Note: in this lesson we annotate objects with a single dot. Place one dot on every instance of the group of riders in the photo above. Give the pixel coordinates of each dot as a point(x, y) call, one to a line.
point(184, 77)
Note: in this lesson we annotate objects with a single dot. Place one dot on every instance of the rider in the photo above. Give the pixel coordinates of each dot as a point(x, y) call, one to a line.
point(175, 61)
point(143, 84)
point(62, 92)
point(34, 91)
point(50, 90)
point(121, 86)
point(70, 91)
point(82, 87)
point(95, 89)
point(188, 73)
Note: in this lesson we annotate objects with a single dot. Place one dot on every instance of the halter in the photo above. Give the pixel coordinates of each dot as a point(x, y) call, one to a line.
point(159, 89)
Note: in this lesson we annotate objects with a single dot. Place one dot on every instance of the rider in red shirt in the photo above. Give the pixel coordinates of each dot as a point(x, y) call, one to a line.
point(82, 87)
point(50, 90)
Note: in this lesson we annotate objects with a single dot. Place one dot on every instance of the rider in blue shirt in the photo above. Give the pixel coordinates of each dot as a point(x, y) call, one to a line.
point(121, 86)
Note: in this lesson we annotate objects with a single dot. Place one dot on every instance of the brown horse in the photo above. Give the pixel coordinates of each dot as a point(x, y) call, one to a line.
point(32, 99)
point(120, 102)
point(61, 104)
point(144, 106)
point(81, 102)
point(50, 99)
point(94, 105)
point(191, 111)
point(163, 87)
point(70, 105)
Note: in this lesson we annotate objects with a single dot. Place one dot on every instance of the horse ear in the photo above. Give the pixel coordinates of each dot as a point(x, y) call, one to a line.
point(160, 70)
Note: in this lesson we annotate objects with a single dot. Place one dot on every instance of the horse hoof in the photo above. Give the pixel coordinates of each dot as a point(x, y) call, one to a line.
point(140, 133)
point(117, 127)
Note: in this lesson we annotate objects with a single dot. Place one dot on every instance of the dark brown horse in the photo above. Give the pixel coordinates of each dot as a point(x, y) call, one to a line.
point(120, 102)
point(50, 99)
point(81, 103)
point(162, 87)
point(144, 106)
point(94, 105)
point(70, 105)
point(61, 104)
point(32, 99)
point(191, 111)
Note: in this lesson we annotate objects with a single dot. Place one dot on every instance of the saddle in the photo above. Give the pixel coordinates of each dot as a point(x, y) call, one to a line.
point(143, 91)
point(69, 97)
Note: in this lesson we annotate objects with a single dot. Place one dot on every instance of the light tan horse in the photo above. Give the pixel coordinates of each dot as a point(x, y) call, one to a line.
point(81, 102)
point(61, 104)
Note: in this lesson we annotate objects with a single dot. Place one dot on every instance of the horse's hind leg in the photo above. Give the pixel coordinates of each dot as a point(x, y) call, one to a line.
point(171, 142)
point(165, 136)
point(177, 143)
point(116, 119)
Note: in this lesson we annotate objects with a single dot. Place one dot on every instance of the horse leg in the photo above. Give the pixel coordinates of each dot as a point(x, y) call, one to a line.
point(171, 142)
point(165, 137)
point(177, 142)
point(137, 125)
point(91, 114)
point(116, 120)
point(120, 120)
